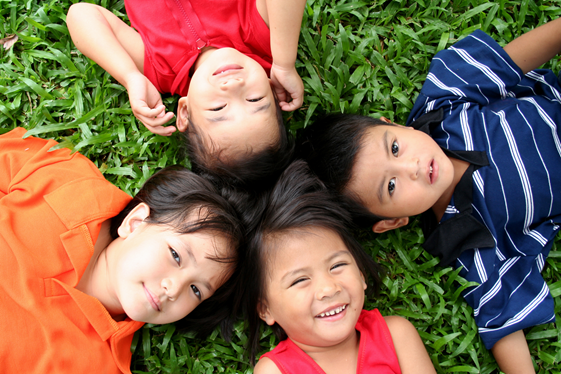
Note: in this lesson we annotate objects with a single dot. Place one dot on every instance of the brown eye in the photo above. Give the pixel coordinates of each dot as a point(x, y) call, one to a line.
point(391, 186)
point(395, 149)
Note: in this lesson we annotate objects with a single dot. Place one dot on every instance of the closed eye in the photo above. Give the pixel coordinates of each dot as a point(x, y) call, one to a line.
point(255, 100)
point(196, 291)
point(175, 256)
point(217, 108)
point(297, 281)
point(339, 265)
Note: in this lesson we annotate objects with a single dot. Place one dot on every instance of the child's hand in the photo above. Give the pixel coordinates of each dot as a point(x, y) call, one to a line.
point(147, 106)
point(288, 87)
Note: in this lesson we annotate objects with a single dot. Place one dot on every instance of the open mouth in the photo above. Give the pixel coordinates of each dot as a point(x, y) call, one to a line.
point(332, 312)
point(431, 175)
point(225, 68)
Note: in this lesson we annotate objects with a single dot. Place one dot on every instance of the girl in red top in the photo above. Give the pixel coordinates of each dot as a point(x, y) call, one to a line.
point(214, 53)
point(311, 277)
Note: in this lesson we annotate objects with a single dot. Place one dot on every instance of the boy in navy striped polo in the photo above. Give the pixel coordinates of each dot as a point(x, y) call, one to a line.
point(482, 161)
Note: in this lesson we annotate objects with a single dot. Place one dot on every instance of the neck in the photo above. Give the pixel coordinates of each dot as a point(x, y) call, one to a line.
point(337, 359)
point(460, 168)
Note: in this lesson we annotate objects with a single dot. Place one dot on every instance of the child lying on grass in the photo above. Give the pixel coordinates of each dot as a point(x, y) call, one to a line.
point(216, 54)
point(307, 280)
point(487, 177)
point(83, 266)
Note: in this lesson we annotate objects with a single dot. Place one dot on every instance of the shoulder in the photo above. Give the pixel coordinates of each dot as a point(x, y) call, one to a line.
point(400, 327)
point(266, 366)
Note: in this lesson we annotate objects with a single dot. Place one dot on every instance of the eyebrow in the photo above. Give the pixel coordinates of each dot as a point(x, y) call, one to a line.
point(386, 148)
point(224, 118)
point(329, 259)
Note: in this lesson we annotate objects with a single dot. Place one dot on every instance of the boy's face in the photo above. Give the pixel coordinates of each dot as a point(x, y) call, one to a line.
point(159, 276)
point(399, 171)
point(231, 102)
point(315, 290)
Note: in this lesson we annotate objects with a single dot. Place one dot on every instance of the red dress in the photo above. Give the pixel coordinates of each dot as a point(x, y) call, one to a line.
point(376, 353)
point(175, 31)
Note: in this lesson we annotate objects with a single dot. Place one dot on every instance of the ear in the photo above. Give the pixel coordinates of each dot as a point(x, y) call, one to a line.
point(265, 313)
point(385, 120)
point(182, 121)
point(133, 220)
point(364, 285)
point(389, 224)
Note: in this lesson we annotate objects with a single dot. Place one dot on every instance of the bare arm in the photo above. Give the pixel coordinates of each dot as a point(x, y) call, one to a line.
point(285, 19)
point(411, 352)
point(513, 355)
point(266, 366)
point(118, 48)
point(536, 47)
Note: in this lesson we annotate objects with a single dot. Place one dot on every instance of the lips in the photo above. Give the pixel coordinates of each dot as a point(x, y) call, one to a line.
point(224, 69)
point(333, 311)
point(153, 300)
point(432, 171)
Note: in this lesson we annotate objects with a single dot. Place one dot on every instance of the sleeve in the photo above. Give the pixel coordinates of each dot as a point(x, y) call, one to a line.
point(22, 158)
point(475, 70)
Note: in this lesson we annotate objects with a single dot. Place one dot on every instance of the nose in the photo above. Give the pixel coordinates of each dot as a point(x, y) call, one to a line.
point(327, 288)
point(232, 83)
point(410, 167)
point(172, 287)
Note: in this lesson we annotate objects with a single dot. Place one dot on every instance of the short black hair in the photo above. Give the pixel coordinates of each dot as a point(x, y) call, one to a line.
point(174, 194)
point(330, 146)
point(251, 170)
point(299, 200)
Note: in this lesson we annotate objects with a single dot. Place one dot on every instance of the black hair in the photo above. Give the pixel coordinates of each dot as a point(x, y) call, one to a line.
point(188, 203)
point(298, 201)
point(251, 170)
point(330, 146)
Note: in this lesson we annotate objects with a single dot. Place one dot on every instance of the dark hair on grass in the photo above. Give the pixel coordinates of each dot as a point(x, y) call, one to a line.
point(251, 170)
point(188, 203)
point(298, 201)
point(330, 146)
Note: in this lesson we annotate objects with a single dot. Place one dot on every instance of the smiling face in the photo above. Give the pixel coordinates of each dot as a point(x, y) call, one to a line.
point(399, 172)
point(157, 275)
point(314, 290)
point(231, 102)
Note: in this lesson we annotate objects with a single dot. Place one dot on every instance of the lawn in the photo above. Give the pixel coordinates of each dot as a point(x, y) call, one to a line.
point(364, 57)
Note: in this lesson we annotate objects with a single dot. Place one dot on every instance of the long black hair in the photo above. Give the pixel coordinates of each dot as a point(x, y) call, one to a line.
point(298, 200)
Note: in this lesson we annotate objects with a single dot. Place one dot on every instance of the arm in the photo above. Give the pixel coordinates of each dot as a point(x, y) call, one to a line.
point(513, 355)
point(266, 366)
point(285, 19)
point(410, 350)
point(118, 48)
point(536, 47)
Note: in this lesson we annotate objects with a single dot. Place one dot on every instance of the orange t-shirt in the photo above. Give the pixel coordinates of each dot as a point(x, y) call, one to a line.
point(52, 205)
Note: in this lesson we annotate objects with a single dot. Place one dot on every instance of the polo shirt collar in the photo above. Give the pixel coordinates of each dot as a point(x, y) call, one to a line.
point(450, 238)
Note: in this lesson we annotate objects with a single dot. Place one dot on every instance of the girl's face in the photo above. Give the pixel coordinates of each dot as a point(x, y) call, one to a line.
point(231, 102)
point(315, 290)
point(156, 275)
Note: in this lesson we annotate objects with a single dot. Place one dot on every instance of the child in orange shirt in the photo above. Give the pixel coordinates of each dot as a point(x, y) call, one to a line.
point(84, 266)
point(308, 281)
point(217, 55)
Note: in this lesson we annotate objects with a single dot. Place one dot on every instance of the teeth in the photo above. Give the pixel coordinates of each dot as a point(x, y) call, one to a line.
point(430, 169)
point(333, 312)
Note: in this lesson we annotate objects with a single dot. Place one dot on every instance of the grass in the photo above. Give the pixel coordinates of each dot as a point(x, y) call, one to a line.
point(365, 57)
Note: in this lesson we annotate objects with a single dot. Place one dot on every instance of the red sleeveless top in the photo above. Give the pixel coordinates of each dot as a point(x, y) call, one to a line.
point(376, 352)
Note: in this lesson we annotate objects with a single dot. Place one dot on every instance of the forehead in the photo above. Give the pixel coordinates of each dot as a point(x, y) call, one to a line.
point(302, 247)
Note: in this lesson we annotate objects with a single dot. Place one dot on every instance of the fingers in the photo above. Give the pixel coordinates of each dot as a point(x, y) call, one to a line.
point(291, 105)
point(155, 119)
